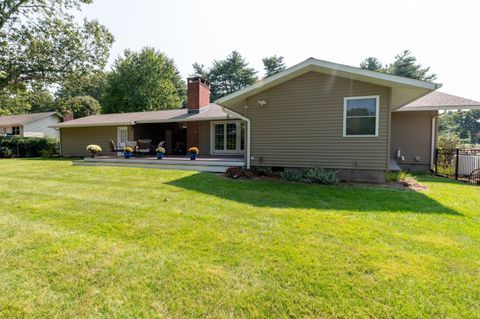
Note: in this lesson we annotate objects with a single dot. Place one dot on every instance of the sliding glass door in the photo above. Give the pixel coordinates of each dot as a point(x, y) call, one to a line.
point(228, 137)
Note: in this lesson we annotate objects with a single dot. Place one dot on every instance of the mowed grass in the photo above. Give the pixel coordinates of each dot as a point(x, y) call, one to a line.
point(105, 242)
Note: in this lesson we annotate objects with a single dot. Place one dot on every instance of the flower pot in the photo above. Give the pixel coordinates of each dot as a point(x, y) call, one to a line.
point(193, 156)
point(127, 155)
point(159, 155)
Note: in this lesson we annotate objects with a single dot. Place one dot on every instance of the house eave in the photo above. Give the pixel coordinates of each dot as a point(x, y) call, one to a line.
point(413, 87)
point(91, 125)
point(213, 118)
point(438, 108)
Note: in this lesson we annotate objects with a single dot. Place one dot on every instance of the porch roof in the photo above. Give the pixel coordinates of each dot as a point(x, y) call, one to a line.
point(440, 101)
point(209, 112)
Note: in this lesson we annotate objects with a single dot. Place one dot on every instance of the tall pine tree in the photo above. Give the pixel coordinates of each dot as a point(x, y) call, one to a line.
point(273, 65)
point(405, 64)
point(228, 75)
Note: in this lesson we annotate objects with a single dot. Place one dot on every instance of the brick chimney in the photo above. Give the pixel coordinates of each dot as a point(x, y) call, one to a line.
point(67, 116)
point(198, 93)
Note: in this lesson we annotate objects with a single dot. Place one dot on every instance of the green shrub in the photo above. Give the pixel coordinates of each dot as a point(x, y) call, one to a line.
point(28, 146)
point(448, 141)
point(292, 176)
point(52, 148)
point(5, 152)
point(314, 175)
point(319, 175)
point(399, 176)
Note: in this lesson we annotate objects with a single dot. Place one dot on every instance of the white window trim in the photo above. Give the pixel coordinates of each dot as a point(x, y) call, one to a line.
point(212, 138)
point(377, 114)
point(19, 130)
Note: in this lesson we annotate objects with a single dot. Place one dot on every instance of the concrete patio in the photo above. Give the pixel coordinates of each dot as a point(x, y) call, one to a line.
point(218, 164)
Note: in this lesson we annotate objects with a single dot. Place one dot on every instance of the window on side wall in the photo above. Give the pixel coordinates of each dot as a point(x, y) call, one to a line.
point(15, 130)
point(360, 116)
point(228, 137)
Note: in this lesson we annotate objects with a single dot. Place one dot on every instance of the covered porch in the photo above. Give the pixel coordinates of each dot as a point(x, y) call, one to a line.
point(216, 139)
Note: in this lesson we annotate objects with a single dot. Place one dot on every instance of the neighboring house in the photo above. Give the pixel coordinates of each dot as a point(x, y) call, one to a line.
point(30, 125)
point(315, 113)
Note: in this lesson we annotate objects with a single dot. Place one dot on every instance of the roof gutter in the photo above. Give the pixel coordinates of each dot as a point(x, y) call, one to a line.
point(214, 118)
point(91, 125)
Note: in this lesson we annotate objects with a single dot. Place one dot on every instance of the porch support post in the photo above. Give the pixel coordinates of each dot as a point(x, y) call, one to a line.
point(193, 132)
point(248, 143)
point(247, 120)
point(433, 141)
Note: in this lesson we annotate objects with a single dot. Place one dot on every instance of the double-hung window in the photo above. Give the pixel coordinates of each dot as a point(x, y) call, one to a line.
point(15, 130)
point(228, 137)
point(360, 116)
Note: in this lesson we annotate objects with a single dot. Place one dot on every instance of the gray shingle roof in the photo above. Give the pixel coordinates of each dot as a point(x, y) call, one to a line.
point(440, 101)
point(9, 120)
point(211, 112)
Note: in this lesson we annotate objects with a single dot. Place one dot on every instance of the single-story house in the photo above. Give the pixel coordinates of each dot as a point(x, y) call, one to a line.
point(30, 125)
point(316, 113)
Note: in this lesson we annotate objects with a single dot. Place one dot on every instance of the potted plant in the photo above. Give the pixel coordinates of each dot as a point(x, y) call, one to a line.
point(160, 151)
point(127, 152)
point(93, 150)
point(193, 151)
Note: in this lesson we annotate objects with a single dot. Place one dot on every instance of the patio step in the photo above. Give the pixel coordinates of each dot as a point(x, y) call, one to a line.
point(202, 165)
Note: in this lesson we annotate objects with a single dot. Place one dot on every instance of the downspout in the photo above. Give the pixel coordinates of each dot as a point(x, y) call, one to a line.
point(60, 141)
point(434, 137)
point(247, 120)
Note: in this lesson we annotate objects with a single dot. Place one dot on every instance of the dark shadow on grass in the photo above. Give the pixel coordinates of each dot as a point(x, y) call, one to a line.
point(279, 194)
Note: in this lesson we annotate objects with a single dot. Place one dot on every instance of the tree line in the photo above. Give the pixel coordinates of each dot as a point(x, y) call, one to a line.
point(51, 62)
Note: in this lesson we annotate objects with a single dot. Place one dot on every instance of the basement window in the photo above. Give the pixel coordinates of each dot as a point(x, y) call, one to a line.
point(360, 116)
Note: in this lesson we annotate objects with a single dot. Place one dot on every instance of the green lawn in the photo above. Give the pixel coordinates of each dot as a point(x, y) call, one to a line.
point(124, 242)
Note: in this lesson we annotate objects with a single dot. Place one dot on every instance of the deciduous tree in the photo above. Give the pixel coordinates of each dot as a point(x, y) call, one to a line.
point(143, 81)
point(81, 106)
point(41, 43)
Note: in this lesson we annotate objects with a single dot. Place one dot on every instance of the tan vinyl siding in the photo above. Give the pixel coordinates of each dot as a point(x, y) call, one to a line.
point(302, 125)
point(204, 138)
point(412, 133)
point(74, 140)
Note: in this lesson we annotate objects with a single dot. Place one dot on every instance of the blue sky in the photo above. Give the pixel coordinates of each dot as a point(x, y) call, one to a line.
point(442, 34)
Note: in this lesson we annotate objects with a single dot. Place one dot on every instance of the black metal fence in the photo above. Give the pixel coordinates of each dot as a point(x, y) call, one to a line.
point(461, 164)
